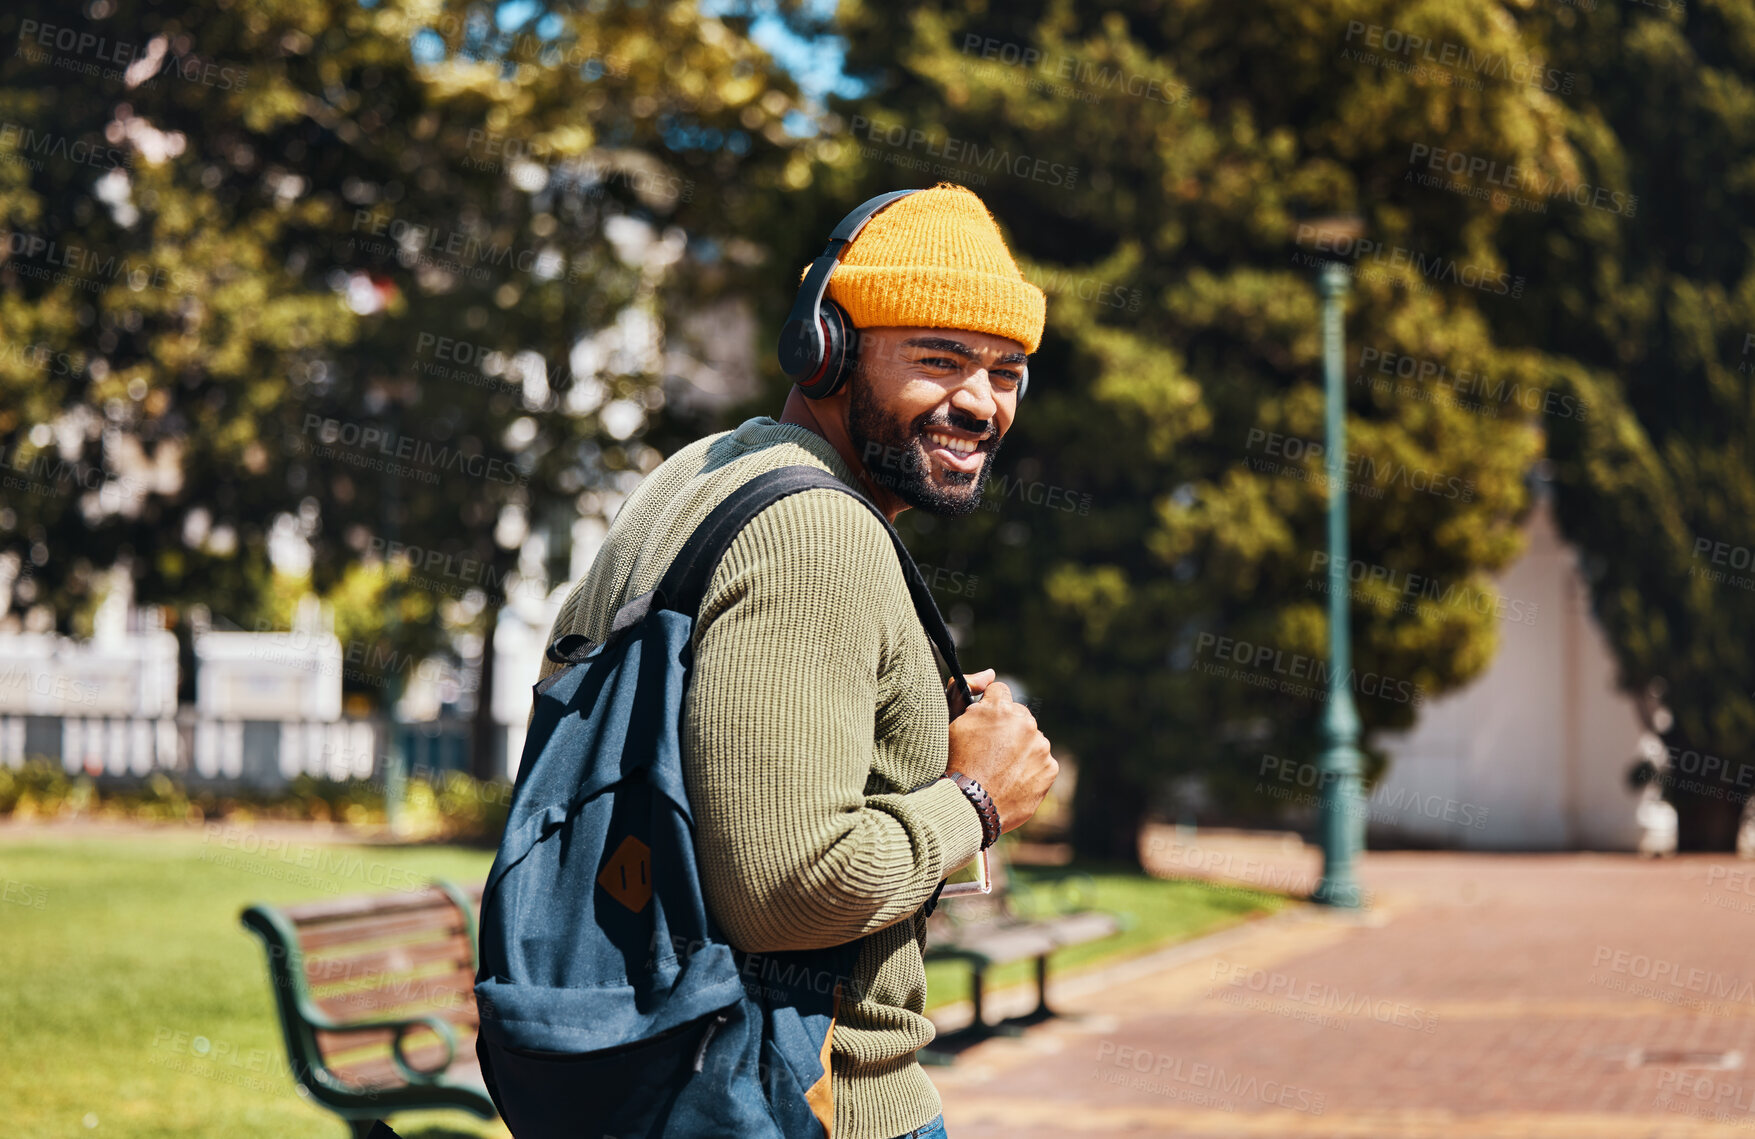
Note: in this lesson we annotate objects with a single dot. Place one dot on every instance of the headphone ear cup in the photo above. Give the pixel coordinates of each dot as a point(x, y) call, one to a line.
point(840, 352)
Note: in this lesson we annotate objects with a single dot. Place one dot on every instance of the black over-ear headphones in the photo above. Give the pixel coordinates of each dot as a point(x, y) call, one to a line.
point(818, 345)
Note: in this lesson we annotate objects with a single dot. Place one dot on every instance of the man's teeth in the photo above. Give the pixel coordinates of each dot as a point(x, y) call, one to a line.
point(949, 443)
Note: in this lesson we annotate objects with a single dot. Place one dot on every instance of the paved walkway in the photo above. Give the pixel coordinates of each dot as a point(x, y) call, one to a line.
point(1586, 996)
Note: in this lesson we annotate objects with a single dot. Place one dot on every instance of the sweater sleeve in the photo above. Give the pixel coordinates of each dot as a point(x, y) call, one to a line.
point(779, 735)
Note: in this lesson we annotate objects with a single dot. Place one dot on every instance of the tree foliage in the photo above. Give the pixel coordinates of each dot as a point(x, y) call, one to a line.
point(1654, 319)
point(1179, 385)
point(381, 275)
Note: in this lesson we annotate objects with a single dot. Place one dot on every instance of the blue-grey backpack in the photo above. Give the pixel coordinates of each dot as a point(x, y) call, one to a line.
point(611, 1004)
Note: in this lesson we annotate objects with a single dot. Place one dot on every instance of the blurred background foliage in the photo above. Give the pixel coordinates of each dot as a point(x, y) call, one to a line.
point(446, 806)
point(563, 186)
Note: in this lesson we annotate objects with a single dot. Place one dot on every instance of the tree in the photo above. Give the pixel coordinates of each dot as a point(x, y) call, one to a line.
point(1653, 306)
point(1160, 169)
point(327, 266)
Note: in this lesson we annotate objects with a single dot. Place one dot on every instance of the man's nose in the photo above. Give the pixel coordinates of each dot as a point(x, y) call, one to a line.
point(974, 397)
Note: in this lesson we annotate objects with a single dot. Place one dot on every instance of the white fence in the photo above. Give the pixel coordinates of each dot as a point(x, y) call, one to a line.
point(262, 753)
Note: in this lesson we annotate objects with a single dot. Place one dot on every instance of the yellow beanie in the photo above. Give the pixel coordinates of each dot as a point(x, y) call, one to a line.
point(935, 259)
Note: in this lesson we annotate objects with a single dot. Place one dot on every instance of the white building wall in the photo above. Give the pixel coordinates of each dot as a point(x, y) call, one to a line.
point(1542, 742)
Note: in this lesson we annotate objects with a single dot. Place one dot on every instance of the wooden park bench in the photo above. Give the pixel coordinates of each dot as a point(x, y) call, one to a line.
point(376, 995)
point(1012, 923)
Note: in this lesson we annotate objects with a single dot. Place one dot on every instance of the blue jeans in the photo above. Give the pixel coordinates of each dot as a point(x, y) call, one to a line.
point(933, 1129)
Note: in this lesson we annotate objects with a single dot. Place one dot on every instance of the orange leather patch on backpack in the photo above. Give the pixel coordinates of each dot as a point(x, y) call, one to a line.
point(821, 1095)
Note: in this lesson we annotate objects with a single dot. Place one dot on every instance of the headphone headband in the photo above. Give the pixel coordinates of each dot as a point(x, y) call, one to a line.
point(813, 353)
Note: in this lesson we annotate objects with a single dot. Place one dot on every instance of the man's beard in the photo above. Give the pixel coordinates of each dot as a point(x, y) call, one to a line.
point(895, 455)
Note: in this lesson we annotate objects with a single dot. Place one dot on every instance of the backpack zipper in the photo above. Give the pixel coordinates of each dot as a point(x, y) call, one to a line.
point(701, 1052)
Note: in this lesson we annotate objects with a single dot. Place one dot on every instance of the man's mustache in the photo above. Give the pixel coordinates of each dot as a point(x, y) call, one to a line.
point(978, 427)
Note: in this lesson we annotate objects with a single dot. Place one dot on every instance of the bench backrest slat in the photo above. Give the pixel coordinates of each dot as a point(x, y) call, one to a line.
point(449, 995)
point(343, 967)
point(440, 918)
point(386, 956)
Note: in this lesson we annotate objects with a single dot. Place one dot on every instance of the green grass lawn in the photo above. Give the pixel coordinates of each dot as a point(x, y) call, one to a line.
point(116, 953)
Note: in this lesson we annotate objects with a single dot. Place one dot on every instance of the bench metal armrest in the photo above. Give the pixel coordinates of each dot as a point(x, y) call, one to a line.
point(300, 1017)
point(400, 1029)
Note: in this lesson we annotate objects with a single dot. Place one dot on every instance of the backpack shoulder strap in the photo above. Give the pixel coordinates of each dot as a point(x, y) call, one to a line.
point(685, 582)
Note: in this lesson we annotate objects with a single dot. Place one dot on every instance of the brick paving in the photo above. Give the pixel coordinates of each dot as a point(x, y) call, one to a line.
point(1482, 995)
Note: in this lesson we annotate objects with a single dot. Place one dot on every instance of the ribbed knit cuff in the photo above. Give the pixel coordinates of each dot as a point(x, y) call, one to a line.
point(954, 819)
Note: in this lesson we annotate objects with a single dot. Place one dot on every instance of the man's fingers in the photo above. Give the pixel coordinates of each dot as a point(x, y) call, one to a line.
point(996, 691)
point(978, 681)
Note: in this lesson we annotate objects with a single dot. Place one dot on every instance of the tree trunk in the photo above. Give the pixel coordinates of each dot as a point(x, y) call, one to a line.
point(485, 733)
point(1108, 810)
point(1705, 822)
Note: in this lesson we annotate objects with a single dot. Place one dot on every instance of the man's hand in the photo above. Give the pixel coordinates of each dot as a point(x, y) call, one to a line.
point(977, 681)
point(996, 743)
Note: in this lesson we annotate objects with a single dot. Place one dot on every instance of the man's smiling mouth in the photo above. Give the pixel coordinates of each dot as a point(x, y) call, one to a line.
point(952, 443)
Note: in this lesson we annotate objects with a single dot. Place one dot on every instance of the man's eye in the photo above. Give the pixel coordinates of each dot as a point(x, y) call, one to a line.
point(939, 362)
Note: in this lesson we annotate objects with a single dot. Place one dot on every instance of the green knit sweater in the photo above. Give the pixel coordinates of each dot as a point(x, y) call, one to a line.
point(816, 705)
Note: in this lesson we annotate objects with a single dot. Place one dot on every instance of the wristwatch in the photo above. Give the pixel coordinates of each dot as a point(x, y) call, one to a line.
point(983, 804)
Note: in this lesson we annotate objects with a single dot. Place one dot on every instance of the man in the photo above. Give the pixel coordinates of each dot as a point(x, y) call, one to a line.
point(817, 737)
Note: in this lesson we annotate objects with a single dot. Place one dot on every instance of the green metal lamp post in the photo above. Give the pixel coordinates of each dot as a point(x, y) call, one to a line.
point(395, 773)
point(1343, 821)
